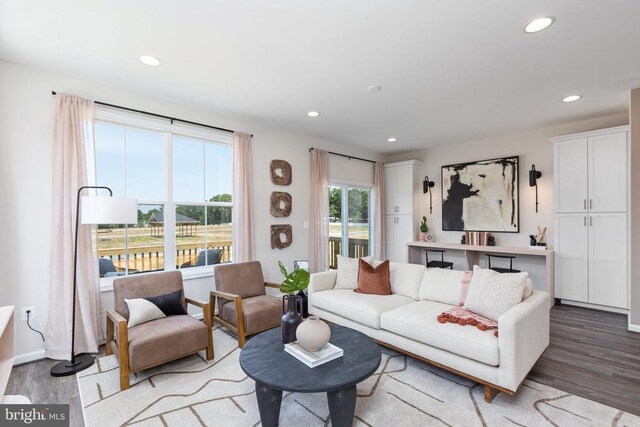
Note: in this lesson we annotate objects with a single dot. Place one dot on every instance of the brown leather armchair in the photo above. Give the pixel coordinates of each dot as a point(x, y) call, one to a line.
point(243, 305)
point(158, 341)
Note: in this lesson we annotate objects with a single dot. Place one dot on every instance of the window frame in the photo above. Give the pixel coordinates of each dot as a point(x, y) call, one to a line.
point(125, 119)
point(344, 200)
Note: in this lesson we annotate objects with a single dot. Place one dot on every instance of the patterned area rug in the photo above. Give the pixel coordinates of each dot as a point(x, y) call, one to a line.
point(403, 392)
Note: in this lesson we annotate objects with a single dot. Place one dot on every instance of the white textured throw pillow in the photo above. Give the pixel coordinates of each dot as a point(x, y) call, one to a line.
point(141, 311)
point(347, 277)
point(491, 294)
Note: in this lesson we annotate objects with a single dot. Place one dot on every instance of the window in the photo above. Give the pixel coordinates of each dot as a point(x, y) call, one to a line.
point(183, 180)
point(349, 209)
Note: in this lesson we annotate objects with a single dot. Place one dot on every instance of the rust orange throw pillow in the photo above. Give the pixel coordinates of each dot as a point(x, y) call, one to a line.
point(373, 280)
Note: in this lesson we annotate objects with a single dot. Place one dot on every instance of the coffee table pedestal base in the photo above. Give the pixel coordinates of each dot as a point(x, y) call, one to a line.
point(342, 405)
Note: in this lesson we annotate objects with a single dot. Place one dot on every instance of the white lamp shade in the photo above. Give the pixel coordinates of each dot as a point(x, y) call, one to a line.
point(108, 210)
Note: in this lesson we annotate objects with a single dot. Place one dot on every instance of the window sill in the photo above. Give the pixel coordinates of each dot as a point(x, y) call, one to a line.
point(106, 283)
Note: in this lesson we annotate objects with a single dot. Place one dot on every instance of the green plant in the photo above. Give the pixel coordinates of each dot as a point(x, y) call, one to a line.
point(423, 225)
point(297, 280)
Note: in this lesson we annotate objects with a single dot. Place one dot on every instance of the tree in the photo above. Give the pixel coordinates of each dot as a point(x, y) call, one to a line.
point(335, 203)
point(219, 214)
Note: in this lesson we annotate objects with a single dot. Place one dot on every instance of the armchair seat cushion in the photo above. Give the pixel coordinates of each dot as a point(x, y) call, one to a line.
point(165, 339)
point(259, 313)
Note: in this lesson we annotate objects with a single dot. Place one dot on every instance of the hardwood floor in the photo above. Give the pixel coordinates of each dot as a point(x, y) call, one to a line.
point(591, 354)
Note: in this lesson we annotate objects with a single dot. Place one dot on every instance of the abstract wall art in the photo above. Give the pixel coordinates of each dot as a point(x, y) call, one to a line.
point(481, 196)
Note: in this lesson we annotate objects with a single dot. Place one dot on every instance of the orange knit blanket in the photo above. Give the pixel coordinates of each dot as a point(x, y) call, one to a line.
point(464, 317)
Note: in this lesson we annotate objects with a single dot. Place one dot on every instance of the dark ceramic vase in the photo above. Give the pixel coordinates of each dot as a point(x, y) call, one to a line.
point(303, 304)
point(291, 319)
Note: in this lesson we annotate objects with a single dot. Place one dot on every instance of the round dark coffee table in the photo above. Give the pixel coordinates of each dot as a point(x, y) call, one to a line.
point(274, 370)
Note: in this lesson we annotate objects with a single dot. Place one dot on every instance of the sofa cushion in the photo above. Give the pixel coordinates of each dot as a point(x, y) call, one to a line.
point(405, 279)
point(373, 280)
point(348, 272)
point(165, 339)
point(362, 308)
point(442, 285)
point(259, 313)
point(418, 321)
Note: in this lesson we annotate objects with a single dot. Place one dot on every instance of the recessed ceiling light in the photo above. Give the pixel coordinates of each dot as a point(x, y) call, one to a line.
point(313, 114)
point(572, 98)
point(374, 89)
point(392, 139)
point(151, 61)
point(539, 24)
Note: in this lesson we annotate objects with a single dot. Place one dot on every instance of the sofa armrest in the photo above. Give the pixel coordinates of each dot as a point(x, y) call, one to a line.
point(523, 337)
point(322, 281)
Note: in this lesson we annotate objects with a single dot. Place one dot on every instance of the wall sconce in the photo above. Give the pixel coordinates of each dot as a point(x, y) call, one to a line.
point(534, 176)
point(426, 188)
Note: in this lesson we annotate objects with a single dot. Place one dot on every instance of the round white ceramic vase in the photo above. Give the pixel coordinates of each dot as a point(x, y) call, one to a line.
point(313, 333)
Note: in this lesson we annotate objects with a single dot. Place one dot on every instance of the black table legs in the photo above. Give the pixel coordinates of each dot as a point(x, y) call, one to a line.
point(342, 405)
point(269, 404)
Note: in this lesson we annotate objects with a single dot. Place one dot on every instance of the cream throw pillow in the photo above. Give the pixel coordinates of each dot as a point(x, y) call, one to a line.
point(347, 277)
point(141, 311)
point(442, 285)
point(491, 294)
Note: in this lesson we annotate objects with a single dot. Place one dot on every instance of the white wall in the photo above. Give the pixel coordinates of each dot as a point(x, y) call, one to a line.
point(26, 135)
point(532, 147)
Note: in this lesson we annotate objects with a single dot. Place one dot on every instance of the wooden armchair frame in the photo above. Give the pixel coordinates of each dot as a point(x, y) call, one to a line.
point(117, 328)
point(239, 330)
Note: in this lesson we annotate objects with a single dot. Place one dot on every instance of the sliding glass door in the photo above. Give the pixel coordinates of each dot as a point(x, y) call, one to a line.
point(349, 228)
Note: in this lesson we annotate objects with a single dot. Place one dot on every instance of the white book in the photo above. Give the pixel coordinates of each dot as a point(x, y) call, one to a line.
point(314, 358)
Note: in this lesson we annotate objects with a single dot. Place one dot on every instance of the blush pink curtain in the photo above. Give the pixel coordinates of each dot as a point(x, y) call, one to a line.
point(72, 166)
point(243, 231)
point(319, 212)
point(378, 213)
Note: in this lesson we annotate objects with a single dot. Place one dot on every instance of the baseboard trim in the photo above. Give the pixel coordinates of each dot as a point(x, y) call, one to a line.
point(634, 328)
point(28, 357)
point(595, 306)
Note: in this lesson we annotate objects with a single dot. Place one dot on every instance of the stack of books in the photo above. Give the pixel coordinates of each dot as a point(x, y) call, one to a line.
point(313, 358)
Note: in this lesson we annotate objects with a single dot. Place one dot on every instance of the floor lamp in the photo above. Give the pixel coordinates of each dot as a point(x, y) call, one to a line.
point(93, 210)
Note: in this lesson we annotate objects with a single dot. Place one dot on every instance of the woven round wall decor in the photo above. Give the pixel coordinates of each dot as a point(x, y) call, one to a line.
point(281, 236)
point(281, 172)
point(280, 204)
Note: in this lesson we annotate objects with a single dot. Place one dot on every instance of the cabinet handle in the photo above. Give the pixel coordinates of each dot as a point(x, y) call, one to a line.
point(590, 203)
point(585, 204)
point(591, 221)
point(585, 221)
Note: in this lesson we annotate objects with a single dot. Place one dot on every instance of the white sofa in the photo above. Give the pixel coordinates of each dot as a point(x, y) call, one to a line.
point(406, 321)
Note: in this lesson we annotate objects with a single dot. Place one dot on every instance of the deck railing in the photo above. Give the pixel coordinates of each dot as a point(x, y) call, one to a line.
point(150, 258)
point(357, 248)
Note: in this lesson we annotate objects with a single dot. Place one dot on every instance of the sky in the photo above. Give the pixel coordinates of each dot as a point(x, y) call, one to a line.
point(131, 163)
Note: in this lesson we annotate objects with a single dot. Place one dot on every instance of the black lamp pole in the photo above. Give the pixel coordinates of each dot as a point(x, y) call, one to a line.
point(84, 360)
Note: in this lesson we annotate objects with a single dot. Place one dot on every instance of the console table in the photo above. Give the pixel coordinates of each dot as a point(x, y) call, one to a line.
point(415, 255)
point(6, 346)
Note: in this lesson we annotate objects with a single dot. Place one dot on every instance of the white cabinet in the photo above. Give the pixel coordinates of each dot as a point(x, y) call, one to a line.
point(608, 174)
point(591, 182)
point(571, 257)
point(608, 259)
point(401, 193)
point(570, 172)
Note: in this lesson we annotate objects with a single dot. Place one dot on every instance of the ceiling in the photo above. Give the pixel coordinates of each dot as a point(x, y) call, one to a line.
point(450, 71)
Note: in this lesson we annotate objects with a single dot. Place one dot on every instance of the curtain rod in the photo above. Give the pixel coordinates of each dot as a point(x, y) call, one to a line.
point(171, 119)
point(347, 156)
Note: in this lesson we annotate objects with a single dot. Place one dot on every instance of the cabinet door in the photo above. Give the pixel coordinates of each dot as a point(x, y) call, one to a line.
point(404, 235)
point(608, 173)
point(608, 259)
point(390, 175)
point(570, 175)
point(404, 190)
point(390, 235)
point(571, 251)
